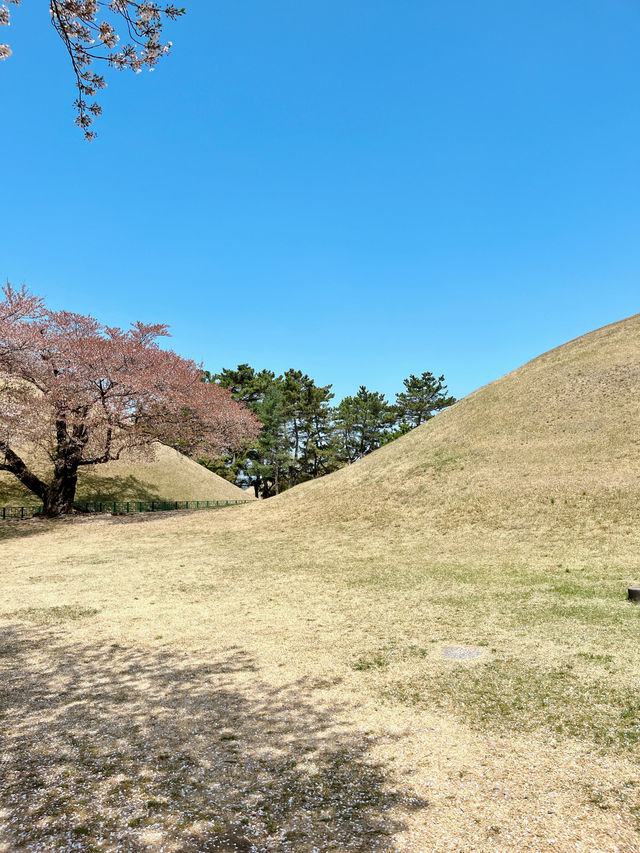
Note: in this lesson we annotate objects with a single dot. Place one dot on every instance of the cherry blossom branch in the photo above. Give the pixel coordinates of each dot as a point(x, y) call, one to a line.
point(89, 31)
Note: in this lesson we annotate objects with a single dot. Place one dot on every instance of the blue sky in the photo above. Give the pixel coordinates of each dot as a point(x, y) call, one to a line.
point(361, 190)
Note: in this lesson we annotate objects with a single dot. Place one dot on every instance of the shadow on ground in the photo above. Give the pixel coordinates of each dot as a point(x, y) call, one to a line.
point(112, 748)
point(24, 528)
point(95, 488)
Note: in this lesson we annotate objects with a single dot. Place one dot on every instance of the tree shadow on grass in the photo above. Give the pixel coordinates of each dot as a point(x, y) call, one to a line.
point(24, 528)
point(94, 487)
point(37, 526)
point(112, 748)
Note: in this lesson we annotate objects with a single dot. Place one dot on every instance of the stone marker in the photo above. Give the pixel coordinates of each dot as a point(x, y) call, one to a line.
point(460, 653)
point(633, 593)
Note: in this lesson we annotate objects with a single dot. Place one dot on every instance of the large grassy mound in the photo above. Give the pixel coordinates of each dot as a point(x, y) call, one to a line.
point(552, 448)
point(169, 475)
point(430, 650)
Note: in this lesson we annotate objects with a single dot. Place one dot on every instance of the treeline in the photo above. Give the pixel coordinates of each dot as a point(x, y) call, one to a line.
point(304, 435)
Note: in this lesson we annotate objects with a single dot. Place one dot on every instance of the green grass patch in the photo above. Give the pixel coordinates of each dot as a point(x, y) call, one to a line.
point(56, 614)
point(510, 695)
point(386, 655)
point(51, 578)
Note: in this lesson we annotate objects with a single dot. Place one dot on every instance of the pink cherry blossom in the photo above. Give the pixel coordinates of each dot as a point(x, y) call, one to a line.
point(81, 393)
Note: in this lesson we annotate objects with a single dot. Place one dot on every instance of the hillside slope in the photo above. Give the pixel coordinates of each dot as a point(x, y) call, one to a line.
point(168, 476)
point(553, 445)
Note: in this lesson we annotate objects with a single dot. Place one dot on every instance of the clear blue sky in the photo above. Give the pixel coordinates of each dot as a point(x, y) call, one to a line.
point(361, 190)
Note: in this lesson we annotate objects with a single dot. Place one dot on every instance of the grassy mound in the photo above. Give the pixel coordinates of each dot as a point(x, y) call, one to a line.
point(552, 448)
point(168, 476)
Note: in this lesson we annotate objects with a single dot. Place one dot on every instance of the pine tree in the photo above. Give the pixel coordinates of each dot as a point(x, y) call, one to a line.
point(247, 386)
point(269, 459)
point(363, 423)
point(423, 396)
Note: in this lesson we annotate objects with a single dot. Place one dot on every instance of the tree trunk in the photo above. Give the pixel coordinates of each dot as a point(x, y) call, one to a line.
point(61, 491)
point(16, 466)
point(57, 496)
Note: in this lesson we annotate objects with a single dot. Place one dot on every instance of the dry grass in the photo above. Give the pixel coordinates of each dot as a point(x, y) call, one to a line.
point(271, 677)
point(167, 476)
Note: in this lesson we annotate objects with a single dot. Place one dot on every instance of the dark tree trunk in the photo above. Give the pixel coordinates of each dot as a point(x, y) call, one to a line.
point(13, 463)
point(60, 493)
point(267, 483)
point(57, 496)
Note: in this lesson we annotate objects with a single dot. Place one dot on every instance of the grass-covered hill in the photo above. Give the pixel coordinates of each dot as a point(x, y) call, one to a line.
point(169, 475)
point(553, 446)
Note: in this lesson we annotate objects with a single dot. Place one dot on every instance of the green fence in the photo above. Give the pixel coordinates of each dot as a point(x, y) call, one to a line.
point(119, 507)
point(20, 511)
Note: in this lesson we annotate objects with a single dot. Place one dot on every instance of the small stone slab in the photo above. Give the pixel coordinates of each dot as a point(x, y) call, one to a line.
point(461, 653)
point(634, 593)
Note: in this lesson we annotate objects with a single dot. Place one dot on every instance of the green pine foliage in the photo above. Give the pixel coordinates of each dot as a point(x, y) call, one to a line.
point(363, 423)
point(304, 436)
point(422, 398)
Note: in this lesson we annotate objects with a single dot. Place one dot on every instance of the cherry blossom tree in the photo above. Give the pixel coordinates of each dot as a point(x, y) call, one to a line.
point(120, 33)
point(81, 393)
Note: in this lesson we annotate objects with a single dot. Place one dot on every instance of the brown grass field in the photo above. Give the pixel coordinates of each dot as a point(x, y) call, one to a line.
point(287, 675)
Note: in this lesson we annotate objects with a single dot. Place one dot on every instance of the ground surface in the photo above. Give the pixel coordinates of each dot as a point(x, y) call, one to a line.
point(429, 651)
